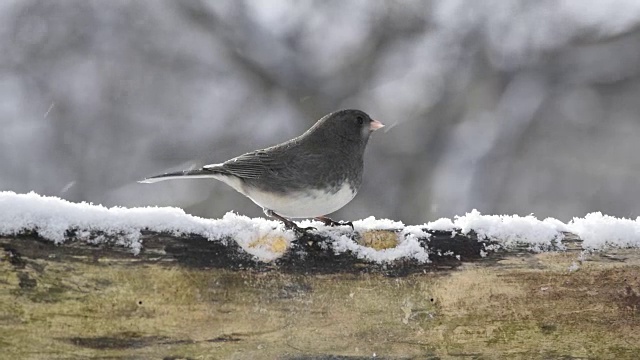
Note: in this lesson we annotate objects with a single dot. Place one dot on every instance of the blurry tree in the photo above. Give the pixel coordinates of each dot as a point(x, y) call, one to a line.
point(504, 106)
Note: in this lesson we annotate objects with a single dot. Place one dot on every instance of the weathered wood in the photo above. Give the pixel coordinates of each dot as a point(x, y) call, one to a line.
point(189, 298)
point(311, 253)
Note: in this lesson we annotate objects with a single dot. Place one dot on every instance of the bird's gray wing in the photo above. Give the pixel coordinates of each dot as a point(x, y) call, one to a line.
point(253, 165)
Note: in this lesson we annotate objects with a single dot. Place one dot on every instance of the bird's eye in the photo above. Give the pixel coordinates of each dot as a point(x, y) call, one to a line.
point(360, 120)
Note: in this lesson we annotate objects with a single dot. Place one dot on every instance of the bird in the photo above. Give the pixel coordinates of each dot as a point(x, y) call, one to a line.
point(309, 176)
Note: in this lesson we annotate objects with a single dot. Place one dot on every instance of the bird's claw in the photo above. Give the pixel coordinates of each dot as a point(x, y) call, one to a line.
point(343, 223)
point(290, 225)
point(329, 222)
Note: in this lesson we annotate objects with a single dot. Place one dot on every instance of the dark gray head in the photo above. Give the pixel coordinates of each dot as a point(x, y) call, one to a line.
point(344, 126)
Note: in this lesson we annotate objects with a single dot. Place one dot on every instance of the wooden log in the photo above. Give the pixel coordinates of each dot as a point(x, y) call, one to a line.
point(184, 297)
point(310, 254)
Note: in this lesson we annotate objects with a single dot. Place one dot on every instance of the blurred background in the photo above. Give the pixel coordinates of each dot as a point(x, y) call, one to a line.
point(512, 107)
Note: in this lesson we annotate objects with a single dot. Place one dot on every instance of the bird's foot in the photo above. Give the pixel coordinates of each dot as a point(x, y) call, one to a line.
point(329, 222)
point(290, 225)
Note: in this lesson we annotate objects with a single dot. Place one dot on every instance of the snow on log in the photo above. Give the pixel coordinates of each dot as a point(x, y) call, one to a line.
point(48, 226)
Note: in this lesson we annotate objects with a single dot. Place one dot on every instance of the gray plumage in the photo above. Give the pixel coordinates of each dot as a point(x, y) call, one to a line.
point(324, 160)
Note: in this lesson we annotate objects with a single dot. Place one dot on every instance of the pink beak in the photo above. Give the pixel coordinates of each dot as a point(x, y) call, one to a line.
point(375, 125)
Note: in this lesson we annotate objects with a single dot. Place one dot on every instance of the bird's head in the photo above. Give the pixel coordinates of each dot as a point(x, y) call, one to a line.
point(351, 125)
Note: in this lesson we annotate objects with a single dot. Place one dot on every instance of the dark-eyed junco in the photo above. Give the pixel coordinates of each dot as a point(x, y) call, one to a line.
point(309, 176)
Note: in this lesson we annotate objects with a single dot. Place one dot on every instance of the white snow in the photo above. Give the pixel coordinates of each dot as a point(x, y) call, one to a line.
point(512, 230)
point(409, 247)
point(53, 217)
point(602, 231)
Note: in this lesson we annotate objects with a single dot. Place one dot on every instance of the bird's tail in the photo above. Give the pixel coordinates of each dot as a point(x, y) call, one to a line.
point(186, 174)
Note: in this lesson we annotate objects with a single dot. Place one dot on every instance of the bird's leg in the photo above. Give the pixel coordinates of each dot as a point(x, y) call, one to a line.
point(327, 221)
point(288, 224)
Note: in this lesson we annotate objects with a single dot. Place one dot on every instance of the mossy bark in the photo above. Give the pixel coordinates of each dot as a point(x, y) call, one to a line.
point(189, 298)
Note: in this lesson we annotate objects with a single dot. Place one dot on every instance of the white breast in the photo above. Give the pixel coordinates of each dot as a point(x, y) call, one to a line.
point(305, 204)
